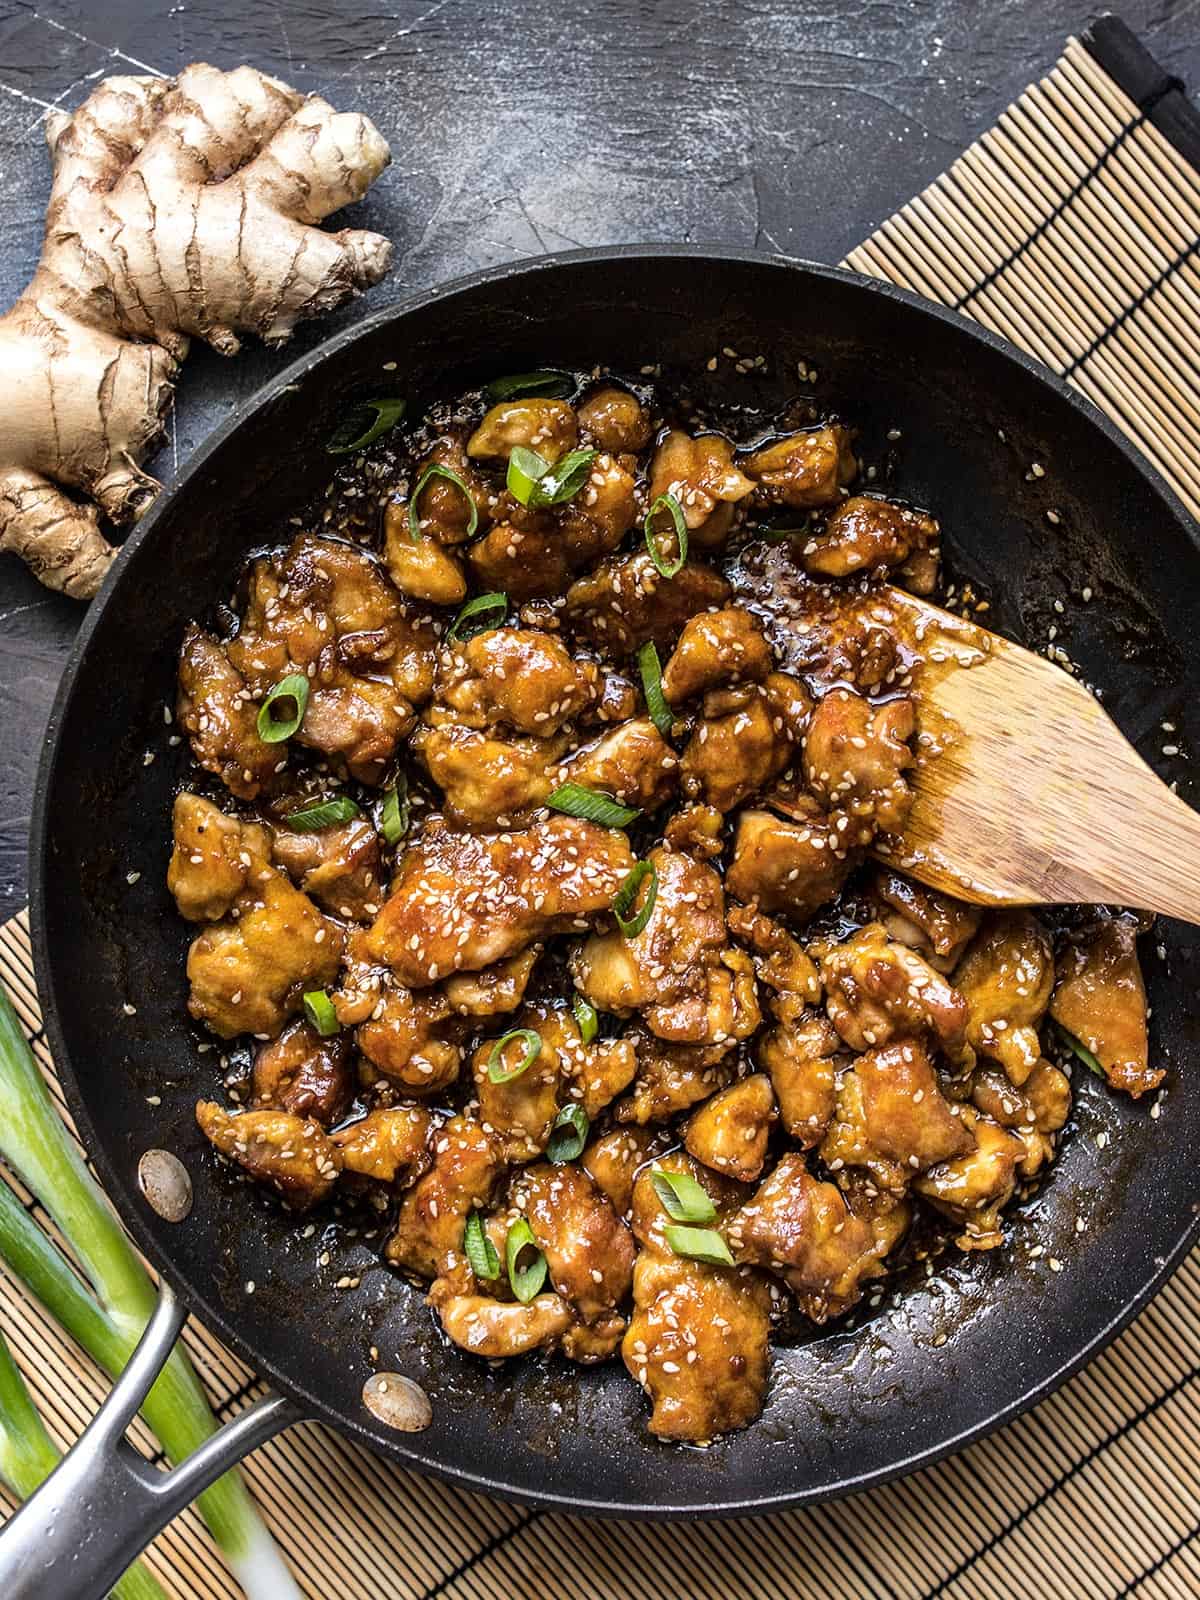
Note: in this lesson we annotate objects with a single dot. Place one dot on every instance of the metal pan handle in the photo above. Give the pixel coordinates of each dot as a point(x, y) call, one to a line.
point(103, 1503)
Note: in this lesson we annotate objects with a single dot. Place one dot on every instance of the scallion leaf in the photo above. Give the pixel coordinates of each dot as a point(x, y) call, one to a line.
point(698, 1244)
point(273, 729)
point(656, 702)
point(393, 819)
point(479, 1249)
point(587, 1018)
point(568, 1135)
point(323, 815)
point(528, 1279)
point(479, 613)
point(562, 481)
point(627, 894)
point(1078, 1048)
point(318, 1008)
point(497, 1071)
point(543, 385)
point(592, 806)
point(668, 567)
point(683, 1199)
point(436, 469)
point(361, 428)
point(525, 468)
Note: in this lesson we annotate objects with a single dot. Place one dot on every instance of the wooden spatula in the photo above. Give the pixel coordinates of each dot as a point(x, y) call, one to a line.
point(1027, 793)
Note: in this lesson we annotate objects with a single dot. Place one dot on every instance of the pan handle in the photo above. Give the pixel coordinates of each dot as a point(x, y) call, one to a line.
point(104, 1503)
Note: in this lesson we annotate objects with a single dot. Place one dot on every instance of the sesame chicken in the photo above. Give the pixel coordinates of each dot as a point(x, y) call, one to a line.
point(615, 420)
point(696, 830)
point(877, 990)
point(672, 1077)
point(974, 1188)
point(305, 1074)
point(444, 512)
point(589, 1251)
point(785, 865)
point(867, 534)
point(390, 1145)
point(1006, 978)
point(805, 469)
point(467, 1167)
point(421, 568)
point(493, 991)
point(935, 925)
point(547, 426)
point(1035, 1112)
point(612, 1161)
point(219, 714)
point(855, 755)
point(781, 962)
point(702, 476)
point(716, 648)
point(291, 1154)
point(738, 747)
point(338, 866)
point(633, 763)
point(626, 602)
point(799, 1056)
point(729, 1132)
point(488, 782)
point(213, 858)
point(500, 1329)
point(1100, 998)
point(517, 678)
point(409, 1038)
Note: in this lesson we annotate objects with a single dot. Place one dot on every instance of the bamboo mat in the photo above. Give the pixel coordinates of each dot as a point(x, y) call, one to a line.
point(1072, 228)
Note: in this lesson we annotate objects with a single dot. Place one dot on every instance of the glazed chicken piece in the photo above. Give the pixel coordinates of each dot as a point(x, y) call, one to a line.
point(715, 649)
point(1101, 999)
point(799, 1057)
point(893, 1118)
point(390, 1145)
point(1006, 978)
point(612, 1161)
point(1035, 1112)
point(935, 925)
point(741, 744)
point(593, 522)
point(499, 1329)
point(421, 568)
point(214, 858)
point(786, 864)
point(305, 1074)
point(525, 560)
point(493, 991)
point(729, 1132)
point(444, 514)
point(411, 1038)
point(702, 476)
point(672, 1077)
point(877, 990)
point(615, 420)
point(547, 426)
point(806, 469)
point(338, 866)
point(855, 756)
point(291, 1154)
point(589, 1251)
point(219, 715)
point(461, 901)
point(868, 534)
point(781, 961)
point(488, 782)
point(626, 601)
point(695, 830)
point(974, 1188)
point(514, 678)
point(633, 763)
point(467, 1166)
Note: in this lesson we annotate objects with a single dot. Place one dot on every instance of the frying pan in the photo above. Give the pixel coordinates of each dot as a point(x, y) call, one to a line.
point(930, 1369)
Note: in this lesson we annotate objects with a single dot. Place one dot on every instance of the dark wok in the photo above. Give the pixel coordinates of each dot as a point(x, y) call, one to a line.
point(991, 1334)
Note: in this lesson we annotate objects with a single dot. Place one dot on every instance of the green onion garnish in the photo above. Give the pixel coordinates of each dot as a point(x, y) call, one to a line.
point(435, 469)
point(627, 894)
point(497, 1071)
point(666, 502)
point(536, 484)
point(483, 609)
point(577, 801)
point(568, 1135)
point(1077, 1047)
point(656, 702)
point(323, 815)
point(698, 1244)
point(479, 1249)
point(543, 385)
point(682, 1197)
point(360, 428)
point(273, 729)
point(586, 1017)
point(525, 468)
point(525, 1280)
point(318, 1008)
point(393, 819)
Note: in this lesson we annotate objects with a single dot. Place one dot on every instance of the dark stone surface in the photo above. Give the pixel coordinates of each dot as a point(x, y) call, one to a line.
point(534, 126)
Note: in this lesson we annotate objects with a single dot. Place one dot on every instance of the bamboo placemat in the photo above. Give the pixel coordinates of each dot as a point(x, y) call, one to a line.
point(1073, 228)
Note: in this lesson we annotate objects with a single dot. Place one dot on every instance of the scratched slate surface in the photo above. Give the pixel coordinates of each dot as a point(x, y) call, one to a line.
point(528, 126)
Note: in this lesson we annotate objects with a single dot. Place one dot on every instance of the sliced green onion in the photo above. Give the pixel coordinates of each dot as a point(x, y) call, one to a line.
point(525, 469)
point(323, 815)
point(479, 1249)
point(698, 1244)
point(577, 801)
point(666, 502)
point(543, 385)
point(273, 729)
point(631, 926)
point(318, 1008)
point(563, 481)
point(482, 608)
point(435, 469)
point(497, 1071)
point(361, 429)
point(682, 1197)
point(656, 702)
point(586, 1017)
point(525, 1280)
point(1077, 1047)
point(568, 1135)
point(393, 819)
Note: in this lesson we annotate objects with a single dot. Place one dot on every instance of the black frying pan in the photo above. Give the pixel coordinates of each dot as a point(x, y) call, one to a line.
point(954, 1357)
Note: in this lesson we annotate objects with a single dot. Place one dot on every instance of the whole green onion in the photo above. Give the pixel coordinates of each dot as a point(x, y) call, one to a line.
point(525, 1281)
point(273, 729)
point(436, 469)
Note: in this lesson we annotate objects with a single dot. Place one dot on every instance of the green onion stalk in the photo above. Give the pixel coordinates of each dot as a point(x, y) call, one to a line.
point(107, 1314)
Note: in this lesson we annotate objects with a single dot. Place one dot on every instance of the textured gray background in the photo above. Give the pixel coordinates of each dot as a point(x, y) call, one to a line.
point(531, 126)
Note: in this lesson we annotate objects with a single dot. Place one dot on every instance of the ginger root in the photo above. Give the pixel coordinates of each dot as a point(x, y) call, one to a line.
point(179, 209)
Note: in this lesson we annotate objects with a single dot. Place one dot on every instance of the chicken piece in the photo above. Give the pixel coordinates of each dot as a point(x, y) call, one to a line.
point(291, 1154)
point(806, 469)
point(444, 513)
point(785, 865)
point(716, 648)
point(213, 858)
point(248, 973)
point(523, 562)
point(1101, 999)
point(1006, 978)
point(547, 426)
point(893, 1118)
point(781, 962)
point(633, 763)
point(496, 1329)
point(735, 753)
point(421, 567)
point(613, 1160)
point(730, 1131)
point(855, 756)
point(973, 1189)
point(494, 990)
point(1035, 1112)
point(408, 1039)
point(518, 678)
point(305, 1074)
point(888, 1216)
point(695, 830)
point(594, 521)
point(877, 991)
point(935, 925)
point(626, 602)
point(672, 1077)
point(725, 1009)
point(461, 901)
point(390, 1145)
point(615, 420)
point(488, 782)
point(869, 534)
point(799, 1056)
point(589, 1251)
point(338, 866)
point(220, 718)
point(467, 1165)
point(702, 476)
